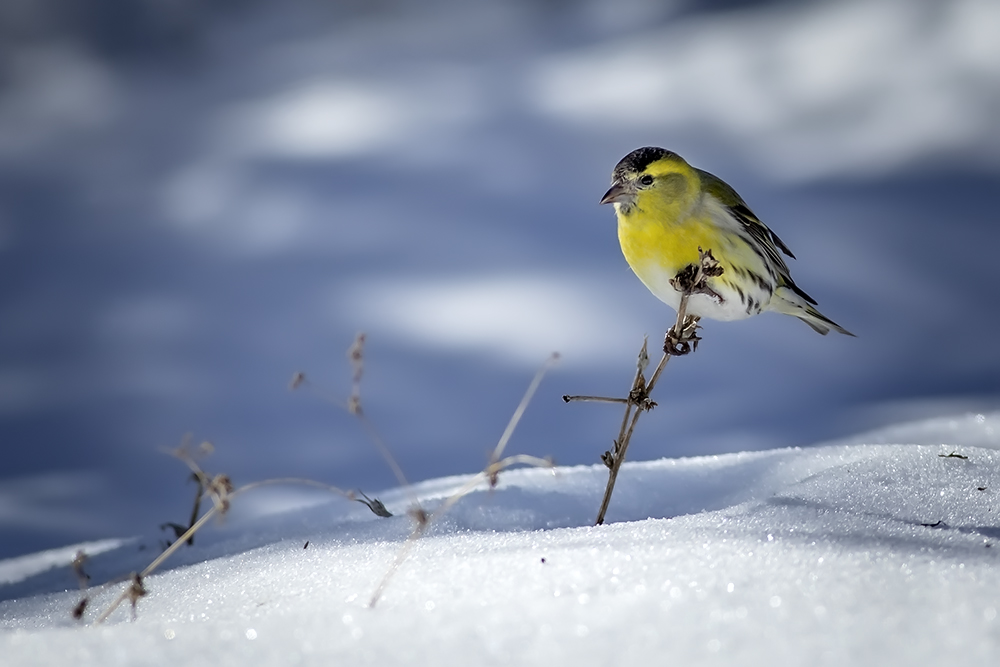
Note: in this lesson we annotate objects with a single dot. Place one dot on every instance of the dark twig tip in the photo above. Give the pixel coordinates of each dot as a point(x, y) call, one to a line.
point(374, 504)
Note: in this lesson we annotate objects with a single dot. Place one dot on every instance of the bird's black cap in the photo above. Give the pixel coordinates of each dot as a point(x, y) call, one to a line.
point(638, 160)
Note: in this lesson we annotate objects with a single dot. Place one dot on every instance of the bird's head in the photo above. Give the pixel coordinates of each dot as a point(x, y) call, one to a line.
point(649, 175)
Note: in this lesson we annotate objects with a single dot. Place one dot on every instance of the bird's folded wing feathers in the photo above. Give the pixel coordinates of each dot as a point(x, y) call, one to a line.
point(767, 240)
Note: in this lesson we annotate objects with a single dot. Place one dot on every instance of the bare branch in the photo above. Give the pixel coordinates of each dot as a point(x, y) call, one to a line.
point(681, 339)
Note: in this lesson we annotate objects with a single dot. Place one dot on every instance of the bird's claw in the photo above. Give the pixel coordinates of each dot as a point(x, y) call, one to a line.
point(693, 278)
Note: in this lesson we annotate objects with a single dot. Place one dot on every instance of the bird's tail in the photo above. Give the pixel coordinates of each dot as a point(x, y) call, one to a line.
point(791, 302)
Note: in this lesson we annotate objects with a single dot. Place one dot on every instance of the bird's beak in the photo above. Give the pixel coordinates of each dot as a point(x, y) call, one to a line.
point(617, 194)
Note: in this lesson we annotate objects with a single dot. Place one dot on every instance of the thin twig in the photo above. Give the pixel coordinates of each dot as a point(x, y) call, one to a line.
point(597, 399)
point(489, 474)
point(418, 531)
point(423, 520)
point(640, 390)
point(197, 506)
point(353, 405)
point(217, 508)
point(220, 489)
point(678, 341)
point(383, 450)
point(519, 412)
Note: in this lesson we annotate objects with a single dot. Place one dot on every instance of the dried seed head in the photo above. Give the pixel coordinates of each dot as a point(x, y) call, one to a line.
point(135, 591)
point(374, 504)
point(355, 353)
point(419, 515)
point(710, 266)
point(220, 487)
point(643, 360)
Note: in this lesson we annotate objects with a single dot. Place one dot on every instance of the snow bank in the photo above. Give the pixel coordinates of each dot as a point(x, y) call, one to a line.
point(849, 553)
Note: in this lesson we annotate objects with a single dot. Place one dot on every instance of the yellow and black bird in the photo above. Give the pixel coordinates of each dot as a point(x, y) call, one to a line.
point(668, 209)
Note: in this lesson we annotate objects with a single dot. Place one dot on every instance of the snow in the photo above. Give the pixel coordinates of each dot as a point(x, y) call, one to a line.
point(879, 549)
point(22, 567)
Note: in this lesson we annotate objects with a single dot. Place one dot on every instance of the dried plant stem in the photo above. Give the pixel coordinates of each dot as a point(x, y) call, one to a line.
point(633, 408)
point(679, 327)
point(382, 448)
point(423, 519)
point(199, 524)
point(220, 489)
point(180, 541)
point(490, 474)
point(516, 417)
point(401, 556)
point(679, 340)
point(596, 399)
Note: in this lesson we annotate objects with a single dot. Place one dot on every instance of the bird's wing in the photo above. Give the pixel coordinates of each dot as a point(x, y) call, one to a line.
point(767, 240)
point(761, 234)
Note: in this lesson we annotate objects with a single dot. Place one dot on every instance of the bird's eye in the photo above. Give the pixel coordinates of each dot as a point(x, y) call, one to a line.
point(646, 180)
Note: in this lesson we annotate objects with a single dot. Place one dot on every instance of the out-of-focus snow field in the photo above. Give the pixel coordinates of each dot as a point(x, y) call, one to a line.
point(880, 549)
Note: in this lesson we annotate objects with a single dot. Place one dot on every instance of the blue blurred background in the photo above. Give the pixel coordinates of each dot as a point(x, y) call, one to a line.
point(198, 199)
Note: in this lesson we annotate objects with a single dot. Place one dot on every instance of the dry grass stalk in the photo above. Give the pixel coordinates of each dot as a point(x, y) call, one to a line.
point(422, 519)
point(220, 490)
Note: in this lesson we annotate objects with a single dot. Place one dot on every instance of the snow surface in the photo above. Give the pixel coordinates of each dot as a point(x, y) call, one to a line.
point(847, 553)
point(22, 567)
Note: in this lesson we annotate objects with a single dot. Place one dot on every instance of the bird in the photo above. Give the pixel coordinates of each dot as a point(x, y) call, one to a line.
point(669, 212)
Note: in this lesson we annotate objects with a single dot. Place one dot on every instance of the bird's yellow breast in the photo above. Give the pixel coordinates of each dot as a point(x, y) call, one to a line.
point(665, 241)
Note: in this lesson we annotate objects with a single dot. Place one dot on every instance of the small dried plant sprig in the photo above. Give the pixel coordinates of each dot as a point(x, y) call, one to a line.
point(356, 358)
point(220, 490)
point(79, 560)
point(180, 529)
point(490, 474)
point(82, 578)
point(421, 517)
point(374, 504)
point(680, 339)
